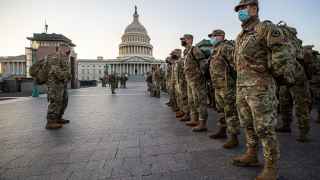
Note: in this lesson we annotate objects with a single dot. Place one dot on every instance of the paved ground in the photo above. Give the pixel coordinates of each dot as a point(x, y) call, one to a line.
point(127, 136)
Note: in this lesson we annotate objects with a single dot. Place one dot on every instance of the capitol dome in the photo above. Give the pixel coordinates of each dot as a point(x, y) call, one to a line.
point(135, 41)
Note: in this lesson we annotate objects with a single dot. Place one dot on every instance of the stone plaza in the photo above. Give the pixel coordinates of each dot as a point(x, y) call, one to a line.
point(128, 136)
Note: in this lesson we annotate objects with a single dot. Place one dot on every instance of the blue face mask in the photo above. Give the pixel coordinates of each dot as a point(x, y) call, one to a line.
point(214, 41)
point(244, 15)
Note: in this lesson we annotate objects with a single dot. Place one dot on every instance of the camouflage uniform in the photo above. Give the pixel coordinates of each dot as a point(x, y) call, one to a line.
point(299, 96)
point(149, 82)
point(256, 88)
point(181, 86)
point(58, 77)
point(113, 82)
point(171, 91)
point(315, 80)
point(225, 85)
point(156, 81)
point(197, 93)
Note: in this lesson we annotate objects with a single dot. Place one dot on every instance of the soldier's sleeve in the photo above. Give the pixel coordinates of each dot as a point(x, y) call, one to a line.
point(280, 57)
point(198, 54)
point(227, 53)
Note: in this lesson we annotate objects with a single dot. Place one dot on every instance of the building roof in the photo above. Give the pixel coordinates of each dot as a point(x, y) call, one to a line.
point(13, 58)
point(50, 37)
point(133, 59)
point(135, 26)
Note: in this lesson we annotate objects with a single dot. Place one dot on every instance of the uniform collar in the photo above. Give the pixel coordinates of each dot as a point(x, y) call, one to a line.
point(249, 26)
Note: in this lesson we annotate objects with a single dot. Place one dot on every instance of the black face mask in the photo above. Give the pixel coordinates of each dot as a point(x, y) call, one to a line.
point(175, 57)
point(183, 43)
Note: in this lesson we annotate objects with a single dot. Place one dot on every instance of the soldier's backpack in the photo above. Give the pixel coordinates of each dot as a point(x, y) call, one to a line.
point(296, 47)
point(39, 71)
point(206, 48)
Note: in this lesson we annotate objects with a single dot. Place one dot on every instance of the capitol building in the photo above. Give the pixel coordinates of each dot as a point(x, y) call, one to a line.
point(135, 56)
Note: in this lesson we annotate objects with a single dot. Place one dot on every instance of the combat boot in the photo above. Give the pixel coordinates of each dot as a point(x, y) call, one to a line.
point(202, 126)
point(194, 121)
point(233, 142)
point(179, 114)
point(249, 159)
point(221, 134)
point(63, 121)
point(270, 171)
point(185, 118)
point(52, 125)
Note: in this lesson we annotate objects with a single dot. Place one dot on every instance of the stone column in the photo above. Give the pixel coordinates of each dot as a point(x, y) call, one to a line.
point(141, 71)
point(127, 70)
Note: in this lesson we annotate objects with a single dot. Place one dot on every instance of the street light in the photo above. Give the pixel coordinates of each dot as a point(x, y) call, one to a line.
point(34, 47)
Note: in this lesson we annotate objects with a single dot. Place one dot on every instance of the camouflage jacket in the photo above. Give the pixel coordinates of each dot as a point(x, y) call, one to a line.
point(221, 64)
point(260, 53)
point(173, 77)
point(59, 68)
point(193, 56)
point(156, 75)
point(168, 72)
point(179, 74)
point(315, 68)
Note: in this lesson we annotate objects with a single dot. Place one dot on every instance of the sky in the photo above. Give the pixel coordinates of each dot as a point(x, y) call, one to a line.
point(96, 26)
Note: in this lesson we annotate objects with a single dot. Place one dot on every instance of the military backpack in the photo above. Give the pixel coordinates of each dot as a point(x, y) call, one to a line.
point(296, 48)
point(206, 48)
point(39, 71)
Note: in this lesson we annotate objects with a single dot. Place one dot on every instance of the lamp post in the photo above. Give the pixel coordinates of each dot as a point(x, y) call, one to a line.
point(35, 90)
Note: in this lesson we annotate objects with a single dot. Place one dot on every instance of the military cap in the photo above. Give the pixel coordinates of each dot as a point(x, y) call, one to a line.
point(186, 36)
point(176, 52)
point(245, 3)
point(217, 32)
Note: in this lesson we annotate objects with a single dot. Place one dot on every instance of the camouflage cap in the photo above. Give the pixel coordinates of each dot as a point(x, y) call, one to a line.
point(245, 3)
point(217, 32)
point(186, 36)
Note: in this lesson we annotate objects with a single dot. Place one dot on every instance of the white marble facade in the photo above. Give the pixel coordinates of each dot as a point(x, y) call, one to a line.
point(135, 56)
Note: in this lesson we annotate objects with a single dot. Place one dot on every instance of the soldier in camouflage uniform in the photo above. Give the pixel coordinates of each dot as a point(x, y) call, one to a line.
point(180, 86)
point(58, 77)
point(171, 102)
point(172, 85)
point(163, 80)
point(256, 85)
point(299, 97)
point(223, 77)
point(314, 70)
point(156, 81)
point(197, 92)
point(113, 82)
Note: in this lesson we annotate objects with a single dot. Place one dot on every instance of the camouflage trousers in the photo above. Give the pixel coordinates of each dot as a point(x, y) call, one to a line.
point(172, 95)
point(226, 103)
point(182, 96)
point(156, 88)
point(197, 99)
point(257, 109)
point(299, 97)
point(58, 100)
point(315, 91)
point(113, 86)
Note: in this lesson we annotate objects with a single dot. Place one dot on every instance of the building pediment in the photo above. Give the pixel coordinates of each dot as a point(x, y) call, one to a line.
point(137, 59)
